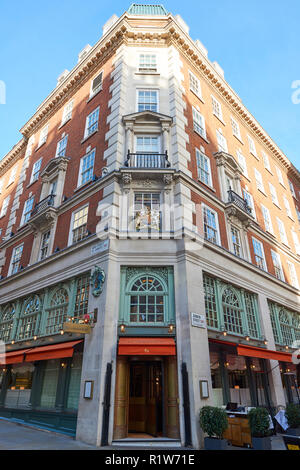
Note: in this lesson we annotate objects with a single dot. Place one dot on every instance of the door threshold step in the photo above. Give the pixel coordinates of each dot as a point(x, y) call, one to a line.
point(154, 442)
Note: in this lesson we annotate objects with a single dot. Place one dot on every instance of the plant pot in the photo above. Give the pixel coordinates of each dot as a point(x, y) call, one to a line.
point(213, 443)
point(261, 443)
point(293, 431)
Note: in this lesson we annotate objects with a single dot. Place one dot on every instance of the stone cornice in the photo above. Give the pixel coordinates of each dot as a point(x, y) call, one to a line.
point(12, 155)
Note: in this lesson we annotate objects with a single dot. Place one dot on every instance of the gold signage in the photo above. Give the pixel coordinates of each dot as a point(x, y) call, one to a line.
point(70, 327)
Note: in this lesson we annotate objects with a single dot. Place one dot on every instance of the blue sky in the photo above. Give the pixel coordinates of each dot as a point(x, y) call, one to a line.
point(256, 42)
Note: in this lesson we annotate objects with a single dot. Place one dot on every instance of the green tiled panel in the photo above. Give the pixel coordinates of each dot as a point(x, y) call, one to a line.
point(141, 9)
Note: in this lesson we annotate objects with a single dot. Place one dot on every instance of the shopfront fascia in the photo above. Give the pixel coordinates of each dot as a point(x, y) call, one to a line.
point(41, 385)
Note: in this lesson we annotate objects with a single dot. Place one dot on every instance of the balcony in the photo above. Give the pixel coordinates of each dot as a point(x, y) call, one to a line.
point(238, 207)
point(147, 160)
point(43, 213)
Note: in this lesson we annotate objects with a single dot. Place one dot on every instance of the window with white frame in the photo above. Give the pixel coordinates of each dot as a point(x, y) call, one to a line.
point(287, 207)
point(267, 219)
point(96, 84)
point(266, 161)
point(273, 194)
point(282, 231)
point(236, 241)
point(4, 206)
point(259, 254)
point(217, 109)
point(277, 265)
point(16, 259)
point(279, 175)
point(147, 144)
point(147, 100)
point(242, 162)
point(44, 248)
point(43, 135)
point(203, 166)
point(91, 124)
point(61, 147)
point(1, 185)
point(292, 189)
point(259, 181)
point(199, 123)
point(296, 241)
point(252, 146)
point(222, 142)
point(195, 86)
point(147, 62)
point(235, 128)
point(12, 176)
point(28, 206)
point(249, 199)
point(211, 225)
point(147, 213)
point(86, 171)
point(67, 112)
point(293, 274)
point(79, 224)
point(36, 171)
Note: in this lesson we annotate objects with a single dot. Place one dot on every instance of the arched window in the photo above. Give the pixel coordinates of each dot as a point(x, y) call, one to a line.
point(6, 322)
point(232, 311)
point(57, 312)
point(29, 317)
point(147, 300)
point(286, 327)
point(296, 326)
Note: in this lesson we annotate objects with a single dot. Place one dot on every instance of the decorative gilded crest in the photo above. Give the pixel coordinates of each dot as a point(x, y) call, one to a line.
point(97, 280)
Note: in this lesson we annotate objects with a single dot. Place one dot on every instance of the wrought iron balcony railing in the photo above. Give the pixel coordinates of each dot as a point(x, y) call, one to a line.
point(147, 160)
point(42, 205)
point(239, 201)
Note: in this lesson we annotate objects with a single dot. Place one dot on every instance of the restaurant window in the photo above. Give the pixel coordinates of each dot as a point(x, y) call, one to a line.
point(50, 380)
point(74, 382)
point(238, 380)
point(230, 308)
point(147, 303)
point(19, 386)
point(216, 380)
point(6, 322)
point(285, 325)
point(29, 318)
point(57, 312)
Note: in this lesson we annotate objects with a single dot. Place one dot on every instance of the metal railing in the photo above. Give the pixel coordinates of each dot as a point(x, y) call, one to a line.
point(147, 160)
point(43, 204)
point(239, 201)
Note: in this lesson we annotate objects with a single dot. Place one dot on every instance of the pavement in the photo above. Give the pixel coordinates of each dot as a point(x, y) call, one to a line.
point(16, 436)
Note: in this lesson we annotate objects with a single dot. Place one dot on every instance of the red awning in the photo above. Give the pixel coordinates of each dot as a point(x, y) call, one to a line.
point(52, 351)
point(252, 351)
point(13, 357)
point(147, 347)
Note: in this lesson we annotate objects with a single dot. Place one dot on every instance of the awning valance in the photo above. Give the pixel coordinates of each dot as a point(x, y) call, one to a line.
point(147, 347)
point(52, 351)
point(13, 357)
point(261, 353)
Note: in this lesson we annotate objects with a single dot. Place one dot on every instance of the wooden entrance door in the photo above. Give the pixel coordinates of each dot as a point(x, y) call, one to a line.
point(145, 398)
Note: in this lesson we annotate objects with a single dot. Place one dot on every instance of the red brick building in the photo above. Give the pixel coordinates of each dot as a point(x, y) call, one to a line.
point(145, 146)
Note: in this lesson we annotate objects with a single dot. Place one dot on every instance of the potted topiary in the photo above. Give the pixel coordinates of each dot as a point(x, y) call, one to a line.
point(292, 414)
point(259, 422)
point(214, 422)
